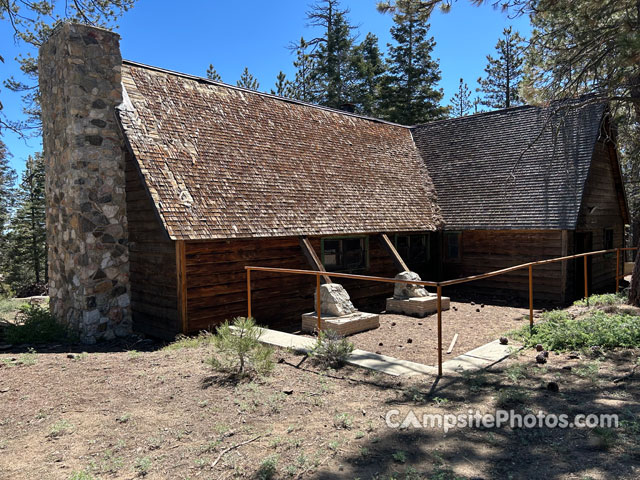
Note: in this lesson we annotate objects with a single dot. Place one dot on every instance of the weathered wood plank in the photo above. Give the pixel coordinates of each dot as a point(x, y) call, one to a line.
point(388, 246)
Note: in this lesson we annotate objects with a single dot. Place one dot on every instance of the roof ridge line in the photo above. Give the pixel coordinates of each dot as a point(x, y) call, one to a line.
point(264, 94)
point(563, 103)
point(476, 115)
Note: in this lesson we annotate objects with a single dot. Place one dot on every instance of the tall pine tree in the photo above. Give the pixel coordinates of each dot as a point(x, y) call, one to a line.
point(31, 23)
point(247, 80)
point(7, 180)
point(461, 102)
point(504, 73)
point(409, 92)
point(302, 86)
point(283, 86)
point(331, 54)
point(368, 67)
point(212, 74)
point(26, 260)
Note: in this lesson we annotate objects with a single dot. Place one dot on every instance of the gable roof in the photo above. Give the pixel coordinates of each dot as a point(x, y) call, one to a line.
point(223, 162)
point(518, 168)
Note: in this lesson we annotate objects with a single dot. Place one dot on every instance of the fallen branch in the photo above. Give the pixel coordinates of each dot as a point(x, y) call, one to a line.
point(625, 377)
point(233, 447)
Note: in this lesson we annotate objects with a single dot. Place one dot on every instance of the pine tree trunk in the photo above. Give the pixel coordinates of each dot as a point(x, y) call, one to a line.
point(634, 290)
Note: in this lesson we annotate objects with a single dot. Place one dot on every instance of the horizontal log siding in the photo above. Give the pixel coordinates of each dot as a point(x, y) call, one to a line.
point(487, 250)
point(601, 193)
point(216, 281)
point(152, 263)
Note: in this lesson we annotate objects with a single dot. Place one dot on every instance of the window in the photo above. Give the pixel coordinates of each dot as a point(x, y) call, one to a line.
point(414, 249)
point(452, 245)
point(608, 239)
point(345, 254)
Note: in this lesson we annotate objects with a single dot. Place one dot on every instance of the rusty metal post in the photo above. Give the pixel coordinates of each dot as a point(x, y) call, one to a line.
point(531, 297)
point(617, 269)
point(318, 303)
point(586, 280)
point(439, 304)
point(248, 293)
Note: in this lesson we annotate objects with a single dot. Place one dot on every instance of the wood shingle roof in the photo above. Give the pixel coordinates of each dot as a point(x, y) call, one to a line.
point(225, 162)
point(519, 168)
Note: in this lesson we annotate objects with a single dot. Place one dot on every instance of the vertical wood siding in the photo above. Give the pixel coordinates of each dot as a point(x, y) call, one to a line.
point(152, 263)
point(601, 193)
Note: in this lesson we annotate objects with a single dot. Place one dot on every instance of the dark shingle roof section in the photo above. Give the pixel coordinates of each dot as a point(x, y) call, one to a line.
point(519, 168)
point(223, 162)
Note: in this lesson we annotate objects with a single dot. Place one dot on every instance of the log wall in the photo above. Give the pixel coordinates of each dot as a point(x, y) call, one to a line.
point(152, 263)
point(217, 289)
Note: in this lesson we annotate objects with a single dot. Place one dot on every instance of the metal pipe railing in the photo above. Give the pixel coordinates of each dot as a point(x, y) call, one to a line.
point(439, 285)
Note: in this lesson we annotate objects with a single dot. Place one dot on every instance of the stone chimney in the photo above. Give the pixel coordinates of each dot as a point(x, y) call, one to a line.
point(80, 86)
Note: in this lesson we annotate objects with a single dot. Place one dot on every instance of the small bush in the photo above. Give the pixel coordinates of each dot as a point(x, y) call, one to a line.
point(35, 324)
point(82, 475)
point(142, 466)
point(511, 397)
point(343, 420)
point(561, 332)
point(268, 468)
point(60, 428)
point(399, 456)
point(331, 350)
point(204, 338)
point(238, 349)
point(602, 300)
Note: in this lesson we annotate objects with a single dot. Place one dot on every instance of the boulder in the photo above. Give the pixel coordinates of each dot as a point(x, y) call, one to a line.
point(334, 300)
point(405, 290)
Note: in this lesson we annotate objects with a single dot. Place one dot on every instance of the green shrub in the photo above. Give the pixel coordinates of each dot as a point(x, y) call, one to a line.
point(511, 397)
point(331, 350)
point(203, 338)
point(9, 307)
point(35, 324)
point(142, 466)
point(82, 475)
point(602, 300)
point(238, 349)
point(268, 468)
point(561, 332)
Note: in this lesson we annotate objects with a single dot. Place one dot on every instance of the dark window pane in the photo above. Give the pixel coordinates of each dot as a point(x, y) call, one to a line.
point(402, 246)
point(345, 254)
point(418, 250)
point(453, 246)
point(331, 253)
point(608, 238)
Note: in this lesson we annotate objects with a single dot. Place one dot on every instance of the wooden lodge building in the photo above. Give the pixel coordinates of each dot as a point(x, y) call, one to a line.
point(248, 180)
point(526, 184)
point(208, 178)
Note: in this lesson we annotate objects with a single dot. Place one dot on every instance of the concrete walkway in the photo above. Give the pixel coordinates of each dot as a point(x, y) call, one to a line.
point(481, 357)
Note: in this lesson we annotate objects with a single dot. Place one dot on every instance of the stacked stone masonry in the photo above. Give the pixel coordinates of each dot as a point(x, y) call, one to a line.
point(80, 84)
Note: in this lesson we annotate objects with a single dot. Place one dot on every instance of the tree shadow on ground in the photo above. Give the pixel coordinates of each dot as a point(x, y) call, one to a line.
point(124, 344)
point(505, 453)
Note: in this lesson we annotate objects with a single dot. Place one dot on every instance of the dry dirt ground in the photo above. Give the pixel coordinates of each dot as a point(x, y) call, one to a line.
point(416, 339)
point(168, 414)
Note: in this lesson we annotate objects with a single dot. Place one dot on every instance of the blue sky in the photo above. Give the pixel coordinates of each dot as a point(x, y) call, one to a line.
point(186, 36)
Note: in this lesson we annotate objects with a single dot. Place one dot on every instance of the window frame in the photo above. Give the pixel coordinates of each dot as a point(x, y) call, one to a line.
point(604, 240)
point(427, 245)
point(342, 268)
point(447, 235)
